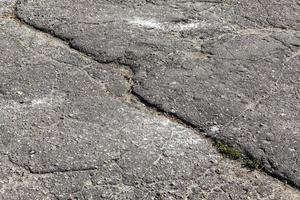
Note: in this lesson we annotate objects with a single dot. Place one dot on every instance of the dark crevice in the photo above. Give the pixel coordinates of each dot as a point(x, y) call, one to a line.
point(31, 171)
point(62, 170)
point(54, 171)
point(169, 115)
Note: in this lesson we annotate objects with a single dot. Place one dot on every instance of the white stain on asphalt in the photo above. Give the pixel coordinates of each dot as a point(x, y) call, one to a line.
point(147, 23)
point(168, 26)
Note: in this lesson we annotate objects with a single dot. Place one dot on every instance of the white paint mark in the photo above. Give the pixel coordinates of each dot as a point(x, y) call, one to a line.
point(154, 24)
point(148, 23)
point(40, 102)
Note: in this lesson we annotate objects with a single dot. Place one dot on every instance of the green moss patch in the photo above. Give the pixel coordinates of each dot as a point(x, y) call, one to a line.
point(229, 151)
point(253, 164)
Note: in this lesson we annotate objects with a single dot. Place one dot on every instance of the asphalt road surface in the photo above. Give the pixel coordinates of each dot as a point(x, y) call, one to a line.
point(103, 99)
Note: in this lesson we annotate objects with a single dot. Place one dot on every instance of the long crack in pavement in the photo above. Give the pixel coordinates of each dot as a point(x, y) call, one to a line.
point(72, 127)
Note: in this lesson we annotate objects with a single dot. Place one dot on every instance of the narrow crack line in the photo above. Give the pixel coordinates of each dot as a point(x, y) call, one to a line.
point(28, 169)
point(198, 130)
point(63, 170)
point(283, 43)
point(16, 164)
point(224, 127)
point(172, 116)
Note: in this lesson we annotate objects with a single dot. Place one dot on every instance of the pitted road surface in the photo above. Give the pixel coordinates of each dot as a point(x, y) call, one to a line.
point(77, 79)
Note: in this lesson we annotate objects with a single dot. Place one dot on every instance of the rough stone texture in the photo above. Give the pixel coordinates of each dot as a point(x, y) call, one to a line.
point(69, 129)
point(63, 136)
point(224, 181)
point(230, 68)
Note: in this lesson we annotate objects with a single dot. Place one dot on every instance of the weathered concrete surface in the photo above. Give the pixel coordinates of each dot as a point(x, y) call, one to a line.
point(230, 68)
point(71, 130)
point(224, 181)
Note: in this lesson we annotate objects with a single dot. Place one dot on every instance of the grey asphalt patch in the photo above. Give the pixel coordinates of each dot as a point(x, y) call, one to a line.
point(63, 136)
point(223, 66)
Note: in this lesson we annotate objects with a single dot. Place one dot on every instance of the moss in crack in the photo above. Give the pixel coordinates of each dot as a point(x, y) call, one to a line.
point(228, 151)
point(252, 164)
point(235, 154)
